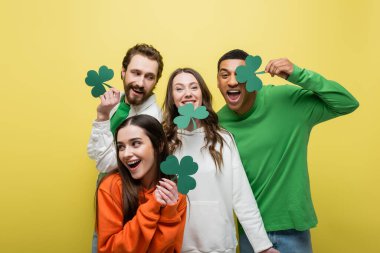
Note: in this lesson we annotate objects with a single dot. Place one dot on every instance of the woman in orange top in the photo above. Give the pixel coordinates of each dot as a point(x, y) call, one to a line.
point(138, 208)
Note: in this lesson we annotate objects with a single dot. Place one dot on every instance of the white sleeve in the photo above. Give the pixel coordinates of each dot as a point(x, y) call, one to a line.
point(101, 147)
point(245, 206)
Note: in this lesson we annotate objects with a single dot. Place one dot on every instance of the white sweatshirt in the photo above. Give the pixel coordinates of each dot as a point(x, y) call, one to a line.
point(210, 222)
point(101, 147)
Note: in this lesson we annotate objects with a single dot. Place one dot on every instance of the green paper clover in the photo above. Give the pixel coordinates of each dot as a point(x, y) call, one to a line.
point(182, 170)
point(188, 113)
point(246, 74)
point(98, 80)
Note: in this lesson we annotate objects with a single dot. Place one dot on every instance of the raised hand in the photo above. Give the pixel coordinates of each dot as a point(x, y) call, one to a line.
point(158, 197)
point(107, 101)
point(167, 191)
point(280, 67)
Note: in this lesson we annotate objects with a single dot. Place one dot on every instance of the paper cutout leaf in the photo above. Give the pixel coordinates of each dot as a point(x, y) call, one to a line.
point(97, 81)
point(170, 166)
point(183, 170)
point(246, 74)
point(188, 113)
point(182, 121)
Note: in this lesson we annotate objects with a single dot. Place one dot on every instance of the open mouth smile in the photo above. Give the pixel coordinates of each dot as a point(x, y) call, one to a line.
point(132, 165)
point(233, 95)
point(188, 102)
point(138, 91)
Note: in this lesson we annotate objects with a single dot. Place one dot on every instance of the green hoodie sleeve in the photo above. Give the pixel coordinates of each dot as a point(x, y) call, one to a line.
point(320, 98)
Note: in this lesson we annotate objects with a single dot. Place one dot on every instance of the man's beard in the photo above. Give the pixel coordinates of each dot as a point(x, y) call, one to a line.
point(136, 100)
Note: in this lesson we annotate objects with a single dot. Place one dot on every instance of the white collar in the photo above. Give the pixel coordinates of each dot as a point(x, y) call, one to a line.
point(147, 103)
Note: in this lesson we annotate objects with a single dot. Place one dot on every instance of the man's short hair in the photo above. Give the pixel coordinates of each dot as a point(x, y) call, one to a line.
point(145, 50)
point(237, 54)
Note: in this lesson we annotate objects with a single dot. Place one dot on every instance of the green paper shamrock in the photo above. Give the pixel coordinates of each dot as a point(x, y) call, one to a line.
point(246, 74)
point(182, 170)
point(98, 80)
point(188, 113)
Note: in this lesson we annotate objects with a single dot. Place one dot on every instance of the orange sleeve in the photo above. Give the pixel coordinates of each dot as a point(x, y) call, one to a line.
point(171, 226)
point(136, 234)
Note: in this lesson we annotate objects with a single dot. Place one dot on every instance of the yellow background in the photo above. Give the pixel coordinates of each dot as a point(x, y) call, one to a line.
point(48, 182)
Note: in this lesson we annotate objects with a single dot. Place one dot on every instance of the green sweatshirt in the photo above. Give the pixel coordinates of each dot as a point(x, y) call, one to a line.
point(272, 140)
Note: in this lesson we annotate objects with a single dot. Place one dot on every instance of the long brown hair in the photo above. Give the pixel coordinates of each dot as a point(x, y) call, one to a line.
point(130, 186)
point(210, 124)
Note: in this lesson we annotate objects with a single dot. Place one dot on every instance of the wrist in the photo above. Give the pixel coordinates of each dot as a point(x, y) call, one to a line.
point(102, 117)
point(295, 75)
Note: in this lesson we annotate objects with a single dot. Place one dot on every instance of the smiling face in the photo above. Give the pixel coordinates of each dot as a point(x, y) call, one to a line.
point(236, 96)
point(186, 89)
point(139, 79)
point(136, 152)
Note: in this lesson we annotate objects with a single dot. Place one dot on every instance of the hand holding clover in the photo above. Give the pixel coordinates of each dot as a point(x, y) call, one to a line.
point(108, 99)
point(247, 74)
point(166, 192)
point(280, 67)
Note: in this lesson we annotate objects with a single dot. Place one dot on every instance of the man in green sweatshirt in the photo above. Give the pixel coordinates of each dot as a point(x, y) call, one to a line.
point(271, 128)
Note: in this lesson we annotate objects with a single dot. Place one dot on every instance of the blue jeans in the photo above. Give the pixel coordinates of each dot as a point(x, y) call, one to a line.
point(94, 243)
point(286, 241)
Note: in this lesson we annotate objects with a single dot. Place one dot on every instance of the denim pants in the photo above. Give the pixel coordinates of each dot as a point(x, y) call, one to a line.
point(286, 241)
point(94, 243)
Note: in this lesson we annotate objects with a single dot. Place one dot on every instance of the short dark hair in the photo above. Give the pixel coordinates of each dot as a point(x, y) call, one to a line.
point(145, 50)
point(233, 54)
